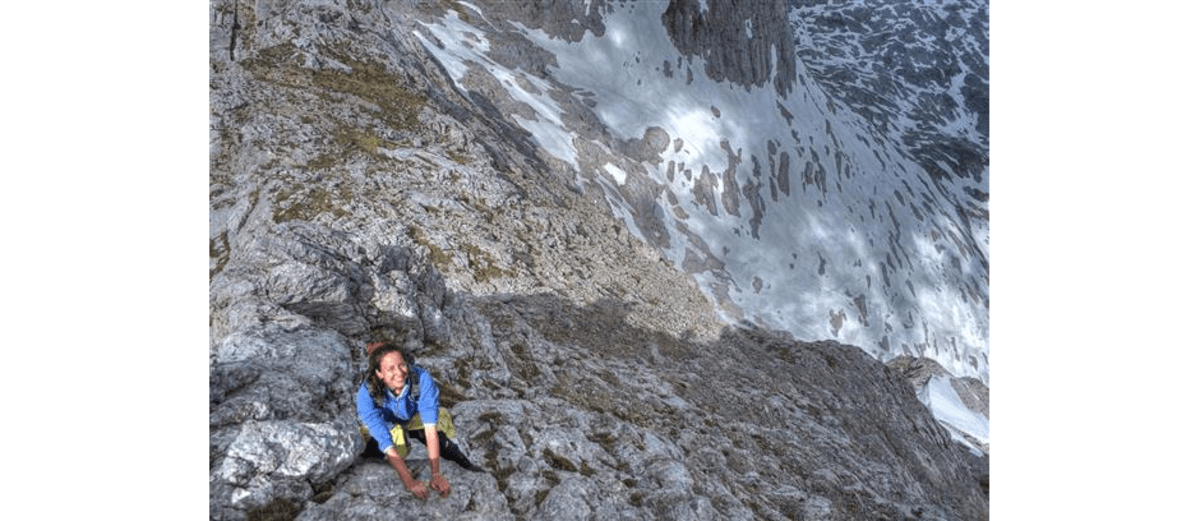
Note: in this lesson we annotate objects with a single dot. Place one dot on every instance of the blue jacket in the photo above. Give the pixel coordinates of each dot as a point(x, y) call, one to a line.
point(398, 410)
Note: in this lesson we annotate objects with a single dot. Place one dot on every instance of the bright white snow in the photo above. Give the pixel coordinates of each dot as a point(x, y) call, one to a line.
point(941, 399)
point(848, 259)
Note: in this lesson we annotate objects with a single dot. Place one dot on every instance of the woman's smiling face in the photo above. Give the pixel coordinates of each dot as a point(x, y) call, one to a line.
point(392, 371)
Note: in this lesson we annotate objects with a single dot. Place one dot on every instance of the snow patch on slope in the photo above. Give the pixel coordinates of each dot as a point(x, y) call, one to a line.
point(792, 214)
point(463, 45)
point(943, 401)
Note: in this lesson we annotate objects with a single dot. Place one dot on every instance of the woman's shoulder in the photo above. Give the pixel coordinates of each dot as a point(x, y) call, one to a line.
point(422, 374)
point(363, 399)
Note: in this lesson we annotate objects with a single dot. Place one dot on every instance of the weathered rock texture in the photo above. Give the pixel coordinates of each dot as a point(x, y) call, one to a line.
point(973, 394)
point(357, 195)
point(575, 411)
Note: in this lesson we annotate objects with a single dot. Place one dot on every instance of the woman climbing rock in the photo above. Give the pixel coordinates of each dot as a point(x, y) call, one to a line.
point(399, 400)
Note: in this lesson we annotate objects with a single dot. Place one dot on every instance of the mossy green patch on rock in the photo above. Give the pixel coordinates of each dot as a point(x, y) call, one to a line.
point(324, 162)
point(372, 83)
point(450, 393)
point(483, 265)
point(552, 480)
point(351, 140)
point(278, 64)
point(440, 258)
point(218, 248)
point(605, 439)
point(458, 157)
point(558, 462)
point(501, 474)
point(283, 65)
point(367, 83)
point(524, 366)
point(279, 509)
point(306, 204)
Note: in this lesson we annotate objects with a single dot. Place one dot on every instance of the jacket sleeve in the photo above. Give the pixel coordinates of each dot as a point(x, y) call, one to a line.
point(427, 405)
point(371, 416)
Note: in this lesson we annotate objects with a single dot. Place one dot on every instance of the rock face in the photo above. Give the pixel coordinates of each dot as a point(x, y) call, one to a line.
point(921, 60)
point(574, 410)
point(757, 49)
point(359, 192)
point(845, 202)
point(965, 399)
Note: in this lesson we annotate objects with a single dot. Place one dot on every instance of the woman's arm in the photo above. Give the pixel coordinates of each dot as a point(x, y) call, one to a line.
point(428, 407)
point(436, 481)
point(416, 487)
point(371, 417)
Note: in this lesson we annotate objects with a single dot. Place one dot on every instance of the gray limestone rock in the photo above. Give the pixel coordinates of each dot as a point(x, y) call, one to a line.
point(559, 401)
point(357, 193)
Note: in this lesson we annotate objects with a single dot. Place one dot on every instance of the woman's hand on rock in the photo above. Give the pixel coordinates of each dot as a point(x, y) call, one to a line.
point(440, 484)
point(418, 489)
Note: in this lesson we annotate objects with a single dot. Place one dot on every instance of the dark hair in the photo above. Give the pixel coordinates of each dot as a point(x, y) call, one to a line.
point(374, 385)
